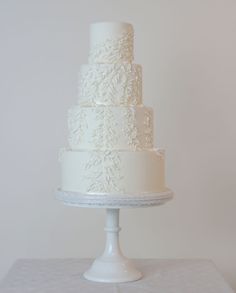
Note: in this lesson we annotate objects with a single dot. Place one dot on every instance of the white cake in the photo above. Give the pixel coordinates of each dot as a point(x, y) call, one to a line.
point(110, 130)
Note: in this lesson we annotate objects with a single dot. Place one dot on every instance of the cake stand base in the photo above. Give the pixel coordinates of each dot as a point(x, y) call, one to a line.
point(112, 271)
point(113, 266)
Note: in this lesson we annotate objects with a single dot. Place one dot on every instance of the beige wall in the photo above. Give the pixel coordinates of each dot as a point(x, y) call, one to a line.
point(187, 49)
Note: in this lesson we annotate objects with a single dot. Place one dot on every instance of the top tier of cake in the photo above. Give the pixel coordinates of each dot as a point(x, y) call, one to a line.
point(111, 42)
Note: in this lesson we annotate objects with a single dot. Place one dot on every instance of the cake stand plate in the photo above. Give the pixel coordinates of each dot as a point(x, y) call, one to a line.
point(114, 201)
point(113, 266)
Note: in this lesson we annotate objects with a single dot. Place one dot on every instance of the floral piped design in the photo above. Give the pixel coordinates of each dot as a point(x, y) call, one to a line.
point(110, 84)
point(148, 128)
point(113, 50)
point(105, 135)
point(130, 129)
point(77, 124)
point(103, 172)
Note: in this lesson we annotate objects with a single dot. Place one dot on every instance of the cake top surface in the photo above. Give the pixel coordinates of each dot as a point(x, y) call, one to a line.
point(110, 23)
point(100, 31)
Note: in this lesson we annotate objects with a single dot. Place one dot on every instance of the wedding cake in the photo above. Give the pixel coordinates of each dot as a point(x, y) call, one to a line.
point(110, 130)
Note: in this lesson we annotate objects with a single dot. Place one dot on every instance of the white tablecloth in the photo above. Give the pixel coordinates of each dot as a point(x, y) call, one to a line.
point(66, 276)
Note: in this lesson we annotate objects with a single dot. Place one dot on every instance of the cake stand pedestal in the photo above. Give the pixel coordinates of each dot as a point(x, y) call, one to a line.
point(113, 266)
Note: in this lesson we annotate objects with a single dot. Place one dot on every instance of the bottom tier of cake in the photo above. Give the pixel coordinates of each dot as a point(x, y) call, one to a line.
point(113, 172)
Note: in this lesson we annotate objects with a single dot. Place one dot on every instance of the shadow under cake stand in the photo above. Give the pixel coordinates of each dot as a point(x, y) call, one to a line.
point(113, 266)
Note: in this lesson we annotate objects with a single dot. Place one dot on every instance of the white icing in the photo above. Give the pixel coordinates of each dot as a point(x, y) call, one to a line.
point(109, 127)
point(110, 84)
point(111, 42)
point(110, 131)
point(113, 171)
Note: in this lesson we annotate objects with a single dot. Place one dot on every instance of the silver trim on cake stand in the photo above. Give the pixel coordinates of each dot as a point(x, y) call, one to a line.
point(113, 266)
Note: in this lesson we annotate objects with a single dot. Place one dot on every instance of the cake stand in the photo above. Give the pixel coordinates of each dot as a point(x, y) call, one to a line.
point(113, 266)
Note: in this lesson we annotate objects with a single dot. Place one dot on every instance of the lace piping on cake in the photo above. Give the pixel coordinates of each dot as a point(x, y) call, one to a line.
point(103, 172)
point(77, 125)
point(104, 135)
point(130, 129)
point(113, 50)
point(148, 128)
point(113, 84)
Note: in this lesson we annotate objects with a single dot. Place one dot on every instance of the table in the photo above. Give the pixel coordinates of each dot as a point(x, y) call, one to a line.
point(159, 275)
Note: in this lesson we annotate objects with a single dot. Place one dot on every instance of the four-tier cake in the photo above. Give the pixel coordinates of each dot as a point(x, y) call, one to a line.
point(110, 130)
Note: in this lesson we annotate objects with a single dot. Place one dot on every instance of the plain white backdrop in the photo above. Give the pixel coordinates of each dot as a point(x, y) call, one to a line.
point(187, 50)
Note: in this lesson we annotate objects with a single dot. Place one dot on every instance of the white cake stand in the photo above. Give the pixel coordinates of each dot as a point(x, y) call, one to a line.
point(113, 266)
